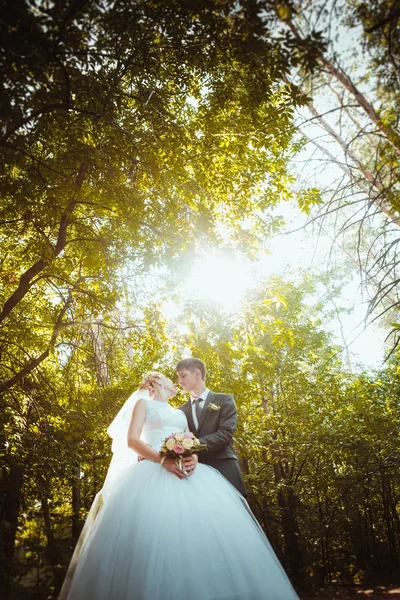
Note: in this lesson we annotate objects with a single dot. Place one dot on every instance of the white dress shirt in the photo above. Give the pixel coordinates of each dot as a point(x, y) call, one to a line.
point(202, 398)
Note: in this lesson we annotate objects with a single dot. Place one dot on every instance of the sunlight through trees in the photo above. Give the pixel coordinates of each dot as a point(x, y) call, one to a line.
point(146, 148)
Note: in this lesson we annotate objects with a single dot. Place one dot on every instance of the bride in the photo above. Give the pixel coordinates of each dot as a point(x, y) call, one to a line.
point(158, 532)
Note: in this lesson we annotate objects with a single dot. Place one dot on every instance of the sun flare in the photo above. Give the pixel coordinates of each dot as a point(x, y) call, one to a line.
point(224, 279)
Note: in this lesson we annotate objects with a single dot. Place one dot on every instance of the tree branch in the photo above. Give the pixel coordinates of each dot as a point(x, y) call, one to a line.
point(35, 362)
point(26, 278)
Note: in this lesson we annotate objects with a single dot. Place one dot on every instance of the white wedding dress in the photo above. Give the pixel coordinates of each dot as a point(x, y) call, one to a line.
point(162, 538)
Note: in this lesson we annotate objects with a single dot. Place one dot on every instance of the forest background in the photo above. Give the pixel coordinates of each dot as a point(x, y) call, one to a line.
point(142, 140)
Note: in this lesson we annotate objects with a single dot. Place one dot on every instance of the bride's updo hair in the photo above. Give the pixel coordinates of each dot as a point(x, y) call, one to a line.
point(149, 381)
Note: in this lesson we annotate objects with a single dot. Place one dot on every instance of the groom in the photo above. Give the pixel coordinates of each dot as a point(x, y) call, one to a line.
point(212, 417)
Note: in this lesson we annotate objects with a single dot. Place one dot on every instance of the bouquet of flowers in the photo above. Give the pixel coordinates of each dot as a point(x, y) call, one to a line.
point(181, 444)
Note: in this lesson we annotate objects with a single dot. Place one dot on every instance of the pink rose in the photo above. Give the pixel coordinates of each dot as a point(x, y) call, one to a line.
point(170, 437)
point(189, 435)
point(178, 449)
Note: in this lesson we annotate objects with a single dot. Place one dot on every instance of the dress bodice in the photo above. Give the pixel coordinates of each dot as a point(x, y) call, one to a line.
point(161, 421)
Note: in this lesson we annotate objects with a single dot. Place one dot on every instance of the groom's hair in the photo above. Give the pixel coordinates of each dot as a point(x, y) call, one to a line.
point(191, 364)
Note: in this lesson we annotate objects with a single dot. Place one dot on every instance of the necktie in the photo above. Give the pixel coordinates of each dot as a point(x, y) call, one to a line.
point(198, 408)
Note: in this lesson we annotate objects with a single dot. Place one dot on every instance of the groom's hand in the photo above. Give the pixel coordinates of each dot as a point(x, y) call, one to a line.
point(170, 465)
point(189, 463)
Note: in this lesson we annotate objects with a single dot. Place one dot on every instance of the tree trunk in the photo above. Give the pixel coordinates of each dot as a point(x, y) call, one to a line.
point(9, 522)
point(102, 375)
point(76, 503)
point(390, 531)
point(54, 553)
point(48, 525)
point(287, 503)
point(323, 570)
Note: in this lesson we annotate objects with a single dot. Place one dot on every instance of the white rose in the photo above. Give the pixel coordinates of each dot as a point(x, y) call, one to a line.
point(180, 437)
point(170, 443)
point(187, 443)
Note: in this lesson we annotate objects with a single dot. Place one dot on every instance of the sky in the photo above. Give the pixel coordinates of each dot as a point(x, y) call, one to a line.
point(297, 251)
point(226, 280)
point(304, 251)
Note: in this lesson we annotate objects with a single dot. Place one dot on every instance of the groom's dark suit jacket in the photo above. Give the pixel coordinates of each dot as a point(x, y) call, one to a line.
point(216, 429)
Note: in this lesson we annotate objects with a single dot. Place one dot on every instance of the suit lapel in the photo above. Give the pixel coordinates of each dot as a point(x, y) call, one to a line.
point(204, 412)
point(187, 409)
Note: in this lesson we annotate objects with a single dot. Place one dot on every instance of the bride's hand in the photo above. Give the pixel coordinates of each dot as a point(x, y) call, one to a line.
point(172, 467)
point(189, 463)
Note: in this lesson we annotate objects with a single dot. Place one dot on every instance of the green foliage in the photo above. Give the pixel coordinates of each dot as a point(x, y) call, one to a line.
point(318, 447)
point(353, 96)
point(131, 137)
point(122, 143)
point(308, 198)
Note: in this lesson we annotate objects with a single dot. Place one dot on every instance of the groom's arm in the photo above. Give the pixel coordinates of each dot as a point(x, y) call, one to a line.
point(226, 428)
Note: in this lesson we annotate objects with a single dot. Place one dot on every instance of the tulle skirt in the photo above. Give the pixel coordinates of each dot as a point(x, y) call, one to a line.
point(162, 538)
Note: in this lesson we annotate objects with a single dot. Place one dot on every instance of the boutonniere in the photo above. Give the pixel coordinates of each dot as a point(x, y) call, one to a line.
point(212, 406)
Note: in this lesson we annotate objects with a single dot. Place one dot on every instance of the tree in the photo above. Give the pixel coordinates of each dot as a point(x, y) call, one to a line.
point(266, 357)
point(316, 443)
point(130, 134)
point(94, 160)
point(352, 122)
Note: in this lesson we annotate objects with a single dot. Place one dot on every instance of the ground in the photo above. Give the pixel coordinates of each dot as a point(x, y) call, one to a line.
point(350, 592)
